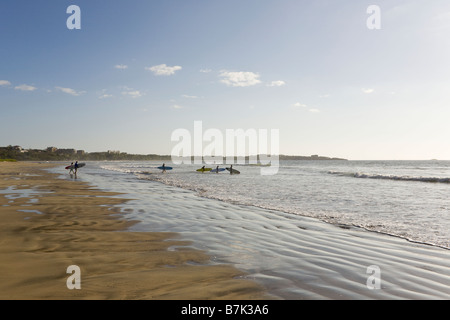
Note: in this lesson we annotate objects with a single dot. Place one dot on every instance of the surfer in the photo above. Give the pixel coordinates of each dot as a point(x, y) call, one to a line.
point(231, 169)
point(164, 167)
point(76, 167)
point(71, 168)
point(217, 169)
point(203, 169)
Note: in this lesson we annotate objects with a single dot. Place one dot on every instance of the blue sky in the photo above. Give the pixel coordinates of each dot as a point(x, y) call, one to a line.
point(138, 70)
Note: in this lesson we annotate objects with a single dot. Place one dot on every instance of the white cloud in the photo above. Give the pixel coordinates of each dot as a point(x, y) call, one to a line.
point(240, 79)
point(205, 70)
point(121, 66)
point(278, 83)
point(163, 70)
point(133, 93)
point(368, 90)
point(105, 96)
point(25, 87)
point(5, 83)
point(70, 91)
point(176, 106)
point(298, 105)
point(189, 97)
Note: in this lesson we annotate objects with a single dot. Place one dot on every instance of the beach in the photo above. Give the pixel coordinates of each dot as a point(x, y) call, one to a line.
point(215, 250)
point(49, 224)
point(226, 151)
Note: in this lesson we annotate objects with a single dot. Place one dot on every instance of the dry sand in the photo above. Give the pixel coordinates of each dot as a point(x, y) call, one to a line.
point(49, 224)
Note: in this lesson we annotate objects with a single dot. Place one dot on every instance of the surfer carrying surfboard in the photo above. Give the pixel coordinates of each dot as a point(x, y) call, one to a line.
point(76, 166)
point(232, 171)
point(164, 167)
point(71, 168)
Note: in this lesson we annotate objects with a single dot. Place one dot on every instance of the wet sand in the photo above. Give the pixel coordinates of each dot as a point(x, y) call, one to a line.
point(49, 224)
point(294, 257)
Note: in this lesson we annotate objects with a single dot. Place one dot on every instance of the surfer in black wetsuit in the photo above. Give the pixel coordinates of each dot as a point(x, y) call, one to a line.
point(217, 169)
point(231, 169)
point(164, 167)
point(76, 167)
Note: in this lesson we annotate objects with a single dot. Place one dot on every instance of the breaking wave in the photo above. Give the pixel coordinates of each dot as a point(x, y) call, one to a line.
point(391, 177)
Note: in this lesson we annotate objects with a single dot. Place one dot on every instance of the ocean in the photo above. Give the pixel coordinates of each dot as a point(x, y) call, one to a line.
point(275, 227)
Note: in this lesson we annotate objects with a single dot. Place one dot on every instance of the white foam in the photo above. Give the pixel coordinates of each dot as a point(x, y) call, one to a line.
point(391, 177)
point(411, 211)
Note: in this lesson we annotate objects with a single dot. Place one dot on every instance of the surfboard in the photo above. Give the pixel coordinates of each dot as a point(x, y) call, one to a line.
point(80, 165)
point(216, 171)
point(234, 171)
point(167, 168)
point(204, 170)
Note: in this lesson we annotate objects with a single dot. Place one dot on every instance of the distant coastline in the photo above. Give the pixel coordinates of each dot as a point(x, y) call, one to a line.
point(55, 154)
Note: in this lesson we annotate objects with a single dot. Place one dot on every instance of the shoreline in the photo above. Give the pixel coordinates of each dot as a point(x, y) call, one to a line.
point(322, 260)
point(49, 224)
point(342, 225)
point(294, 257)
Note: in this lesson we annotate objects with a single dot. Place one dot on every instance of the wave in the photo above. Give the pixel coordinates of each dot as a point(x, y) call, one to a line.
point(222, 190)
point(328, 217)
point(135, 172)
point(391, 177)
point(122, 170)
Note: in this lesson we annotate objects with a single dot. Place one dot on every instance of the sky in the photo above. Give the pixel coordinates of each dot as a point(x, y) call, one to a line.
point(138, 70)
